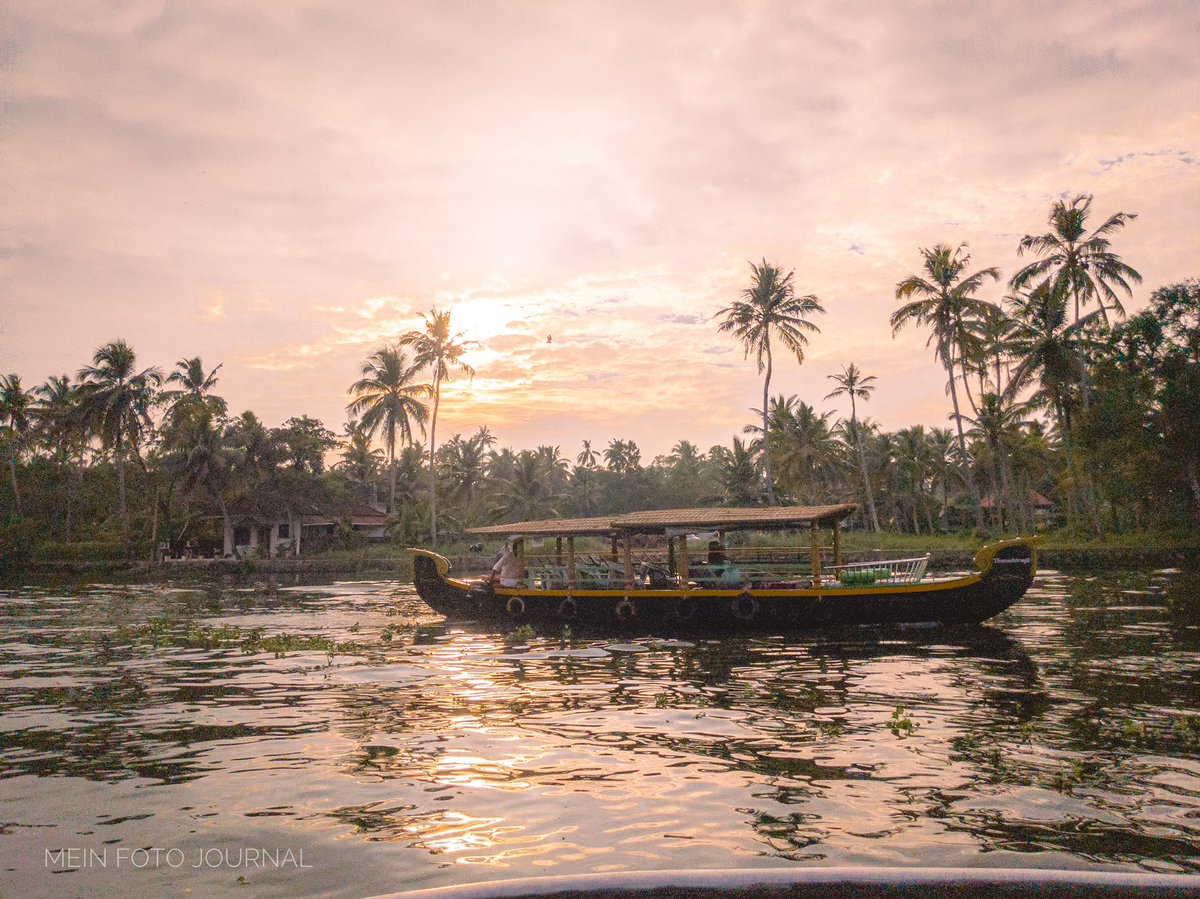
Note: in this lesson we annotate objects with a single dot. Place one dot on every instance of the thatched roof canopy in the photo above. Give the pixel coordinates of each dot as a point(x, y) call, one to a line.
point(757, 518)
point(548, 527)
point(675, 520)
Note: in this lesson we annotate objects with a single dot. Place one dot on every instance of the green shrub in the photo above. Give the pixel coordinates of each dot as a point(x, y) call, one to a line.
point(87, 551)
point(17, 541)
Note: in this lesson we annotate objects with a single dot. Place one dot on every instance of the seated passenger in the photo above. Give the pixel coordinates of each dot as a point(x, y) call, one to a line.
point(507, 568)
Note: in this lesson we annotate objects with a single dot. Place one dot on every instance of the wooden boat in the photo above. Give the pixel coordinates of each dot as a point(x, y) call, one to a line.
point(646, 577)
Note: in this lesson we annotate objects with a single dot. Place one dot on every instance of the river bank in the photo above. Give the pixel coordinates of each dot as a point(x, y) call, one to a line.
point(399, 566)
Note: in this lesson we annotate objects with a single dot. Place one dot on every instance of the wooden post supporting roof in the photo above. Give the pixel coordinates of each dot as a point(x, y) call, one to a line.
point(558, 558)
point(837, 544)
point(519, 549)
point(628, 561)
point(816, 555)
point(570, 563)
point(681, 559)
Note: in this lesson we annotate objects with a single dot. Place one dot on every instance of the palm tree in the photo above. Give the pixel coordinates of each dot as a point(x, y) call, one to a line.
point(557, 468)
point(115, 400)
point(195, 387)
point(947, 304)
point(854, 384)
point(587, 456)
point(622, 456)
point(770, 306)
point(527, 493)
point(941, 449)
point(465, 463)
point(737, 472)
point(359, 461)
point(913, 472)
point(14, 426)
point(439, 349)
point(1050, 355)
point(203, 460)
point(1080, 265)
point(684, 471)
point(803, 442)
point(257, 454)
point(1044, 346)
point(56, 419)
point(585, 489)
point(998, 423)
point(386, 398)
point(189, 374)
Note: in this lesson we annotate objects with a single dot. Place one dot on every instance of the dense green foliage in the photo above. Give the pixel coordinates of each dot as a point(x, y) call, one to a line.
point(1061, 416)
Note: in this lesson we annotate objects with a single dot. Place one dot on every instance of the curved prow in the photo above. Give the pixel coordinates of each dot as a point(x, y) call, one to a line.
point(430, 563)
point(431, 578)
point(1015, 556)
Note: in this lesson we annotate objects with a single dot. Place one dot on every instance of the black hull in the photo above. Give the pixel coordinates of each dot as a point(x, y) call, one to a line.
point(1006, 572)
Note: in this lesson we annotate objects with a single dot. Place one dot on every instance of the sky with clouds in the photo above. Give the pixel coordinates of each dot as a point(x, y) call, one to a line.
point(283, 187)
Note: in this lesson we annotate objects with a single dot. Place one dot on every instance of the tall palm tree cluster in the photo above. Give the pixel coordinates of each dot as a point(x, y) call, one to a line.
point(1055, 397)
point(1048, 403)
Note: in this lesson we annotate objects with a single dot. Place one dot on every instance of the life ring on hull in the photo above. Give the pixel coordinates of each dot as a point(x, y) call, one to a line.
point(821, 611)
point(744, 607)
point(625, 610)
point(515, 607)
point(568, 608)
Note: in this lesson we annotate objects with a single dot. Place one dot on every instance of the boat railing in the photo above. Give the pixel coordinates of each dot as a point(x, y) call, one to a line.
point(600, 573)
point(891, 571)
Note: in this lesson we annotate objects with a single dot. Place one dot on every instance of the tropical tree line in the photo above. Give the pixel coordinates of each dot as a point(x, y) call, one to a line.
point(1059, 405)
point(1037, 382)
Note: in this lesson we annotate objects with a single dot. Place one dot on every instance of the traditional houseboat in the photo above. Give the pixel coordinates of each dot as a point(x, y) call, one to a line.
point(698, 570)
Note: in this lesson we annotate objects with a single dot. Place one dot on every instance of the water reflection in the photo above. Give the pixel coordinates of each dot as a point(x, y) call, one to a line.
point(346, 717)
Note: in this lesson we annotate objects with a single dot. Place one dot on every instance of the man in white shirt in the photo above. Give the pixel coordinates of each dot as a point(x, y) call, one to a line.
point(507, 568)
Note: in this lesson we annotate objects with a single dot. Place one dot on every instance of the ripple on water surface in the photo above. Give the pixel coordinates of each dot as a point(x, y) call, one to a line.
point(395, 751)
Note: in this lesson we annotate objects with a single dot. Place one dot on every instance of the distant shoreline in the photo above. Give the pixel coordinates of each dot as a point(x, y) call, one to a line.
point(1072, 559)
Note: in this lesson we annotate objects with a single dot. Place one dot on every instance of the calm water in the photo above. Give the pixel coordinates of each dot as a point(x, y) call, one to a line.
point(341, 740)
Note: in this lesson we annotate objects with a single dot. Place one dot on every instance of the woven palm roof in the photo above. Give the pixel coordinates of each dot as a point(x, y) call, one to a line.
point(674, 519)
point(721, 519)
point(549, 527)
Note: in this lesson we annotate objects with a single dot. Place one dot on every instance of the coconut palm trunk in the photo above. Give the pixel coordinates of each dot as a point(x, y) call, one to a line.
point(122, 509)
point(16, 489)
point(770, 483)
point(442, 352)
point(972, 487)
point(862, 464)
point(391, 484)
point(437, 398)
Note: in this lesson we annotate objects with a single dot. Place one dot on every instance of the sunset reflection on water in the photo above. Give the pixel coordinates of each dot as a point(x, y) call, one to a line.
point(418, 753)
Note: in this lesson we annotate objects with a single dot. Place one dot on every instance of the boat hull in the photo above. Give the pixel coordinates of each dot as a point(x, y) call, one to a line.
point(1006, 570)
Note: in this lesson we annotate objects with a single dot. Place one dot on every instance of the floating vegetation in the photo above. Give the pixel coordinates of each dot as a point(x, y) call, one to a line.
point(162, 632)
point(521, 635)
point(1066, 779)
point(902, 724)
